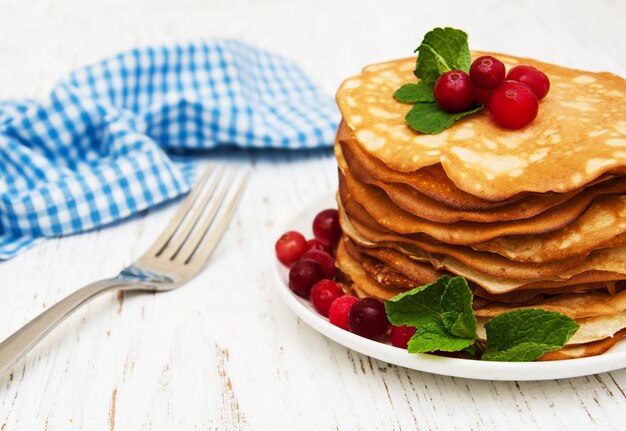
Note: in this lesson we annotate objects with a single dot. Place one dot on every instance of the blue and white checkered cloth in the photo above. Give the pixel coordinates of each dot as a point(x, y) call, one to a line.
point(96, 149)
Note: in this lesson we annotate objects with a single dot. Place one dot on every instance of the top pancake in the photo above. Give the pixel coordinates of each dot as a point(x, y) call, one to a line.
point(581, 128)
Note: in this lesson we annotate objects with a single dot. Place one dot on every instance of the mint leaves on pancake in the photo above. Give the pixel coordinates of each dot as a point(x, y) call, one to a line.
point(441, 50)
point(430, 116)
point(442, 314)
point(415, 93)
point(526, 334)
point(440, 311)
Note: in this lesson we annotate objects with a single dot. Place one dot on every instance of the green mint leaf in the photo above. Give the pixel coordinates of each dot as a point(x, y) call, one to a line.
point(430, 118)
point(441, 50)
point(432, 336)
point(440, 311)
point(459, 316)
point(414, 93)
point(526, 334)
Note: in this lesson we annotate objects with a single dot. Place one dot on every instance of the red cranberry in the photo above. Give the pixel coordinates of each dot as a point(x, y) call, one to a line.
point(289, 247)
point(323, 294)
point(481, 95)
point(368, 318)
point(487, 72)
point(340, 309)
point(303, 275)
point(324, 259)
point(319, 244)
point(513, 105)
point(534, 78)
point(400, 335)
point(326, 226)
point(453, 91)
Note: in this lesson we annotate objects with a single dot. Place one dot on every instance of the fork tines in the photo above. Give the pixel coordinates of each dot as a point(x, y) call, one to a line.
point(197, 227)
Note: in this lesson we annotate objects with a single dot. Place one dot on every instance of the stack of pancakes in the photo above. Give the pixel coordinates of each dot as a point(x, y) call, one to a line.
point(531, 218)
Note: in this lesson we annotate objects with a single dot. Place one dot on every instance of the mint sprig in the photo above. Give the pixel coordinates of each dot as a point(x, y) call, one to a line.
point(442, 315)
point(440, 311)
point(414, 93)
point(430, 118)
point(526, 334)
point(441, 50)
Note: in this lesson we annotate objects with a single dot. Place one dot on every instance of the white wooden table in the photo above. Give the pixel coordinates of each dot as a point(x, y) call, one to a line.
point(223, 352)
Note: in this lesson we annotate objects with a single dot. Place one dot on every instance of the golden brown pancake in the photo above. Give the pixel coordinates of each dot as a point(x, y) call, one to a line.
point(394, 260)
point(391, 217)
point(420, 272)
point(429, 180)
point(613, 260)
point(584, 350)
point(602, 225)
point(479, 272)
point(574, 305)
point(581, 130)
point(591, 328)
point(362, 284)
point(430, 194)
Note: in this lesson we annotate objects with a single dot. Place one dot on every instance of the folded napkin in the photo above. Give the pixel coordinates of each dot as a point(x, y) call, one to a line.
point(96, 149)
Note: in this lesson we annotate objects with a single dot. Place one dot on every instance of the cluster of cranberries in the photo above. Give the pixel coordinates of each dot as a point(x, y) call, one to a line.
point(512, 98)
point(312, 276)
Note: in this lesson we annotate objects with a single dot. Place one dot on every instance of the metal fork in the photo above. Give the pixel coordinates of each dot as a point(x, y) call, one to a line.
point(176, 257)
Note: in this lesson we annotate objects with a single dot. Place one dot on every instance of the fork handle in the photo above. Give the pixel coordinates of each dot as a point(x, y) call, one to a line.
point(24, 339)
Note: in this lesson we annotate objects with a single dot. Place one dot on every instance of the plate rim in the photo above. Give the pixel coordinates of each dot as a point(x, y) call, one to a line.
point(453, 367)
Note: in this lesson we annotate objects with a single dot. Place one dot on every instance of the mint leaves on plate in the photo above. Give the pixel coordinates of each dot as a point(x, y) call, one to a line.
point(440, 311)
point(442, 314)
point(441, 50)
point(526, 334)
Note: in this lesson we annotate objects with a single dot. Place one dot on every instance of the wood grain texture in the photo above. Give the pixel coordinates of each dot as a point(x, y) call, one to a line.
point(223, 352)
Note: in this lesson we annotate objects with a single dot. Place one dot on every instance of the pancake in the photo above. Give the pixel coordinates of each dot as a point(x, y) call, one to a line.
point(475, 154)
point(363, 286)
point(612, 259)
point(391, 217)
point(574, 305)
point(430, 194)
point(591, 328)
point(429, 180)
point(602, 225)
point(388, 276)
point(584, 350)
point(409, 267)
point(494, 284)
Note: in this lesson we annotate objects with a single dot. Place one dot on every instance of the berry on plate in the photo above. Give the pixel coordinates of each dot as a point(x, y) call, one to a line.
point(324, 259)
point(303, 275)
point(340, 309)
point(400, 335)
point(319, 244)
point(326, 226)
point(290, 247)
point(368, 318)
point(323, 294)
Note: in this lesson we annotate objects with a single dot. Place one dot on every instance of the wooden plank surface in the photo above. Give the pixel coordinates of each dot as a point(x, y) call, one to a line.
point(224, 352)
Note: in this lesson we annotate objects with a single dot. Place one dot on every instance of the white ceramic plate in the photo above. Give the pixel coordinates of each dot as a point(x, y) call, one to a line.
point(473, 369)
